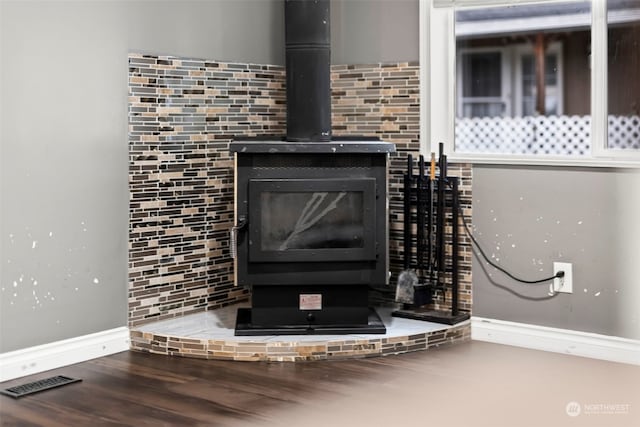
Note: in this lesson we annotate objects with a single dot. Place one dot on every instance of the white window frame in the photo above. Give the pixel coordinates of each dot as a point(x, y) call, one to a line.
point(438, 88)
point(511, 69)
point(554, 48)
point(505, 90)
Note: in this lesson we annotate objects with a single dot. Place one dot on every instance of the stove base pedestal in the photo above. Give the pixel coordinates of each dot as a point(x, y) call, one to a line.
point(244, 327)
point(436, 316)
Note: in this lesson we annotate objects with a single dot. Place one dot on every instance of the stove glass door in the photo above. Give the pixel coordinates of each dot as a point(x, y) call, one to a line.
point(308, 220)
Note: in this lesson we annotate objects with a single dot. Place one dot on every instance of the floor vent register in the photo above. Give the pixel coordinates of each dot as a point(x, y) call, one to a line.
point(38, 386)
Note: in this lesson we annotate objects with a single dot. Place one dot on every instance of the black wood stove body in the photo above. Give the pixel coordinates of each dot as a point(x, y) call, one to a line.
point(311, 211)
point(311, 234)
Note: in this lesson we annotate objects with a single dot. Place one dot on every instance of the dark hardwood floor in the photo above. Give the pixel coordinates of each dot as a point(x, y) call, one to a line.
point(132, 388)
point(466, 384)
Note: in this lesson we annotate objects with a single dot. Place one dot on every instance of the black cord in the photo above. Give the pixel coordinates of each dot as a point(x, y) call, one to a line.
point(506, 288)
point(496, 266)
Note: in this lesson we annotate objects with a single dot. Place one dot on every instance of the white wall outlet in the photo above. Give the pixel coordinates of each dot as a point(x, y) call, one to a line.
point(563, 284)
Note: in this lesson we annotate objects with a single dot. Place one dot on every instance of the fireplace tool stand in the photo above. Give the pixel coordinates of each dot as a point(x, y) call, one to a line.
point(431, 206)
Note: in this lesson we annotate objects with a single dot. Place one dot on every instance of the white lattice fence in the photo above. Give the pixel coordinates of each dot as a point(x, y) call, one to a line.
point(494, 135)
point(548, 135)
point(624, 132)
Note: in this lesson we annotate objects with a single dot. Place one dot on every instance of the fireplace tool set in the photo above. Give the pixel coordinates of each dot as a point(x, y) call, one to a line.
point(431, 208)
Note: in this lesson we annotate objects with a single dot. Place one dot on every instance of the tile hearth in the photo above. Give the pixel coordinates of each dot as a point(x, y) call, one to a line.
point(210, 335)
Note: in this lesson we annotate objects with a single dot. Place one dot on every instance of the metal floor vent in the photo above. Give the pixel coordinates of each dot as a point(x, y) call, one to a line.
point(37, 386)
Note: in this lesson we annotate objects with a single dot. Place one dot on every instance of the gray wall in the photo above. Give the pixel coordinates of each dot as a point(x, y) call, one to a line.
point(371, 31)
point(528, 217)
point(63, 146)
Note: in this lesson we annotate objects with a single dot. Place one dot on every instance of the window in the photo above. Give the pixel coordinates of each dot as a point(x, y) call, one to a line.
point(530, 81)
point(623, 63)
point(480, 84)
point(527, 88)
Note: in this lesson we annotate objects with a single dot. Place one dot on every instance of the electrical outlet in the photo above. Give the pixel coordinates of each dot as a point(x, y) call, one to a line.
point(563, 284)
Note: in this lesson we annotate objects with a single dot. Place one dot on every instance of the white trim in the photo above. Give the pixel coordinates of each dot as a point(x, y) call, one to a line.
point(424, 56)
point(599, 84)
point(575, 21)
point(32, 360)
point(516, 25)
point(576, 343)
point(508, 159)
point(483, 3)
point(438, 77)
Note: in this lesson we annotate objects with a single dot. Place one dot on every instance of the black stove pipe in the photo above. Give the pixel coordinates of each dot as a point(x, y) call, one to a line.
point(308, 60)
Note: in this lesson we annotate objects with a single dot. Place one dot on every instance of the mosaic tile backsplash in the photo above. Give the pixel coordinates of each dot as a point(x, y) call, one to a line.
point(182, 115)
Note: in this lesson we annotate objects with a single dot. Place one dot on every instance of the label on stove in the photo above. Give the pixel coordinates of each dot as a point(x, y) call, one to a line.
point(310, 301)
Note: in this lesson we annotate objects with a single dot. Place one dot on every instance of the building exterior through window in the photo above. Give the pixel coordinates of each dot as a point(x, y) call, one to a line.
point(523, 78)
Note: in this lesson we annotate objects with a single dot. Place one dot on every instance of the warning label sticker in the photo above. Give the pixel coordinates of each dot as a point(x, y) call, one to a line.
point(310, 301)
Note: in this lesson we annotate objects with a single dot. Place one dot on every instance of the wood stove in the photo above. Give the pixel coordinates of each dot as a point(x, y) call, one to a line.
point(311, 235)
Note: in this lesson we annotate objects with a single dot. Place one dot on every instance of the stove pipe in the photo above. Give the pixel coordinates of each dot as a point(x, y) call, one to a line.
point(308, 59)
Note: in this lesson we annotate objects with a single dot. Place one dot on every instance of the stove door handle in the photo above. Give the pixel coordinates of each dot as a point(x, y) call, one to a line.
point(233, 236)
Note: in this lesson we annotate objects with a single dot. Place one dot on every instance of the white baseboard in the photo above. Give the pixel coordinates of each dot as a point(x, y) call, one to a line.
point(565, 341)
point(32, 360)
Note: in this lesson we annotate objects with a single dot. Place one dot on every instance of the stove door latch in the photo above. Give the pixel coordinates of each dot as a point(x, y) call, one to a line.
point(233, 235)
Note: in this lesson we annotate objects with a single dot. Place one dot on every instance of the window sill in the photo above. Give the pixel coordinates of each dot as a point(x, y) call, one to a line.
point(544, 161)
